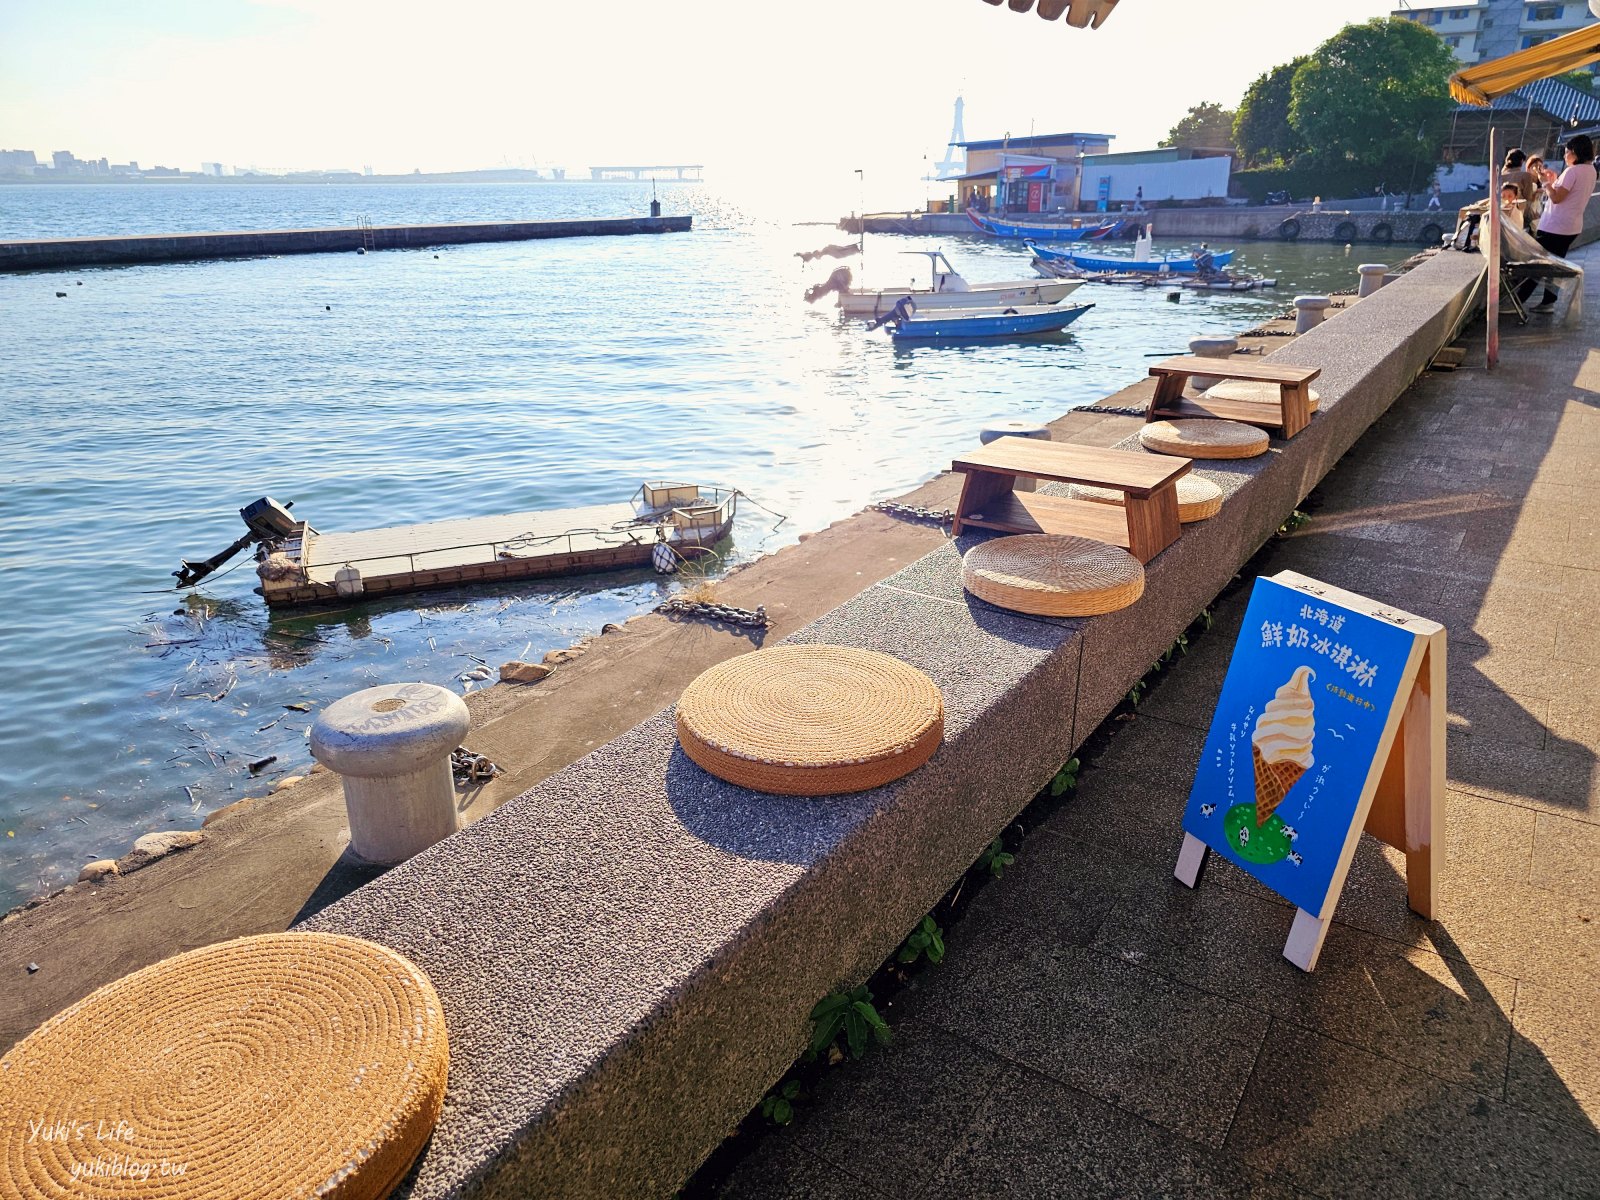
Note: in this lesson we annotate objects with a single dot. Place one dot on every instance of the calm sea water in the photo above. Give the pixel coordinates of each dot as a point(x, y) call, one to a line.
point(144, 408)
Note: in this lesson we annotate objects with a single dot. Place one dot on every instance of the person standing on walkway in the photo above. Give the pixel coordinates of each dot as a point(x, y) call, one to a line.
point(1567, 197)
point(1515, 172)
point(1536, 205)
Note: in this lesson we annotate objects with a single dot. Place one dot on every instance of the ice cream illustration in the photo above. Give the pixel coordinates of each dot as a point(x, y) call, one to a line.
point(1281, 743)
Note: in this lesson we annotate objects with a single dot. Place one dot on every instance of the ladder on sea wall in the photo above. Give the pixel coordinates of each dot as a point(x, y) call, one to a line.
point(369, 236)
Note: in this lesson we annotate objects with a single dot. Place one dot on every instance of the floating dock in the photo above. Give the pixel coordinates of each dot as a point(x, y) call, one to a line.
point(310, 567)
point(59, 253)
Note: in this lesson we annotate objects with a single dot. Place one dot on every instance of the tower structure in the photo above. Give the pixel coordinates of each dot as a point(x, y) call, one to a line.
point(954, 161)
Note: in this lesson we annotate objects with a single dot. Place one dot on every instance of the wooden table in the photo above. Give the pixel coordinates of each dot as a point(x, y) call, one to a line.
point(1288, 417)
point(1145, 524)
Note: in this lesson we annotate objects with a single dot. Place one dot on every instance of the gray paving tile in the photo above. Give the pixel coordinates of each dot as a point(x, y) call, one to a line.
point(1344, 1122)
point(1036, 1139)
point(1410, 1004)
point(1555, 1056)
point(779, 1170)
point(1561, 778)
point(1171, 1054)
point(889, 1119)
point(1479, 708)
point(1566, 859)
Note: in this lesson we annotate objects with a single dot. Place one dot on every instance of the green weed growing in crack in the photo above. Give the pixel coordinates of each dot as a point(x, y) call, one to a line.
point(995, 858)
point(926, 941)
point(778, 1105)
point(851, 1014)
point(1065, 779)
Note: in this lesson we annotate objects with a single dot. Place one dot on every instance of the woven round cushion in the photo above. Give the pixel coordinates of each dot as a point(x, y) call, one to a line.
point(811, 720)
point(1197, 498)
point(1201, 438)
point(1261, 393)
point(1052, 576)
point(289, 1064)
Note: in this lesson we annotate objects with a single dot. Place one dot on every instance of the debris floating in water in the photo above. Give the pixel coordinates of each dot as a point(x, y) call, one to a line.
point(261, 764)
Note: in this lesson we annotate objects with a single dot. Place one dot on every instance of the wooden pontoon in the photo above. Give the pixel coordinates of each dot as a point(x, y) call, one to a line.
point(310, 567)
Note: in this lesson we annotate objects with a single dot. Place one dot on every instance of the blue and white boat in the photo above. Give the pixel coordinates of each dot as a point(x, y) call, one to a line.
point(1045, 233)
point(1142, 260)
point(964, 324)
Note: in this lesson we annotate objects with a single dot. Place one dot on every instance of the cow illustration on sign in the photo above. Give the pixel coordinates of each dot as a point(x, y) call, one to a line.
point(1281, 750)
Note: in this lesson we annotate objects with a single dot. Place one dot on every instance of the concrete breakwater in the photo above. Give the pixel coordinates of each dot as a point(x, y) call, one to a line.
point(1416, 227)
point(1284, 223)
point(58, 253)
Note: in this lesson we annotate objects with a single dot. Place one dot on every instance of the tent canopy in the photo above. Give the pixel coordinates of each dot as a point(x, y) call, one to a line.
point(1482, 83)
point(1079, 13)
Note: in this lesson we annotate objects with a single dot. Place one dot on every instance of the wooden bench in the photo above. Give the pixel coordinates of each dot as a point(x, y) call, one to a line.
point(1288, 417)
point(1145, 524)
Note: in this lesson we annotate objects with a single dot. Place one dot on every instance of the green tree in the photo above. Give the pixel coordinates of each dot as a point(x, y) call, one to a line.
point(1366, 93)
point(1204, 127)
point(1584, 81)
point(1261, 128)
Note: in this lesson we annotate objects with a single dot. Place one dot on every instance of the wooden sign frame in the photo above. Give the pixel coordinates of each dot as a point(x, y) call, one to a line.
point(1402, 801)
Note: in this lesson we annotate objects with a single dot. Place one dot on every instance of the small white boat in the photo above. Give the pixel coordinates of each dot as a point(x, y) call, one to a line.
point(950, 290)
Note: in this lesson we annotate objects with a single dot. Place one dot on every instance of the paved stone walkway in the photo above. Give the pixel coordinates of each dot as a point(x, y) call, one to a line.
point(1098, 1030)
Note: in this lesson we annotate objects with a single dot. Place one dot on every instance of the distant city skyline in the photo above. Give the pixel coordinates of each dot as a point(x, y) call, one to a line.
point(797, 98)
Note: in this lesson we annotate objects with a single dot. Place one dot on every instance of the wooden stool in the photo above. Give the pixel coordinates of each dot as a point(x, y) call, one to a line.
point(1287, 417)
point(1147, 525)
point(1198, 498)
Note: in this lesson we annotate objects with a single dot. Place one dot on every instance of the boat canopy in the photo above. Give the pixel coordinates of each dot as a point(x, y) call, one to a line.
point(1482, 83)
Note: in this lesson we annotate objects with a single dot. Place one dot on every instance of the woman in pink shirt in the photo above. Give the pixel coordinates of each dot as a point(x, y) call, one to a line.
point(1566, 198)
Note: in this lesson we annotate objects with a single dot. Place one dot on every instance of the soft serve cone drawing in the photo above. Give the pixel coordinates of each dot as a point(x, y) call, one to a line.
point(1281, 744)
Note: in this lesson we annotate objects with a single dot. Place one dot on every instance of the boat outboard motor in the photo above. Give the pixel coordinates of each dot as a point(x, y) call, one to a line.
point(264, 520)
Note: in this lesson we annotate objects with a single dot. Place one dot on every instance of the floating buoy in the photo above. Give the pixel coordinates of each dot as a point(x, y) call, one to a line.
point(347, 582)
point(361, 249)
point(327, 308)
point(663, 559)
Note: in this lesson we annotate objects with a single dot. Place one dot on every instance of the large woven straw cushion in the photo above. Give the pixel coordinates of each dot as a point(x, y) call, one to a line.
point(291, 1064)
point(1260, 393)
point(1197, 498)
point(811, 720)
point(1050, 575)
point(1203, 438)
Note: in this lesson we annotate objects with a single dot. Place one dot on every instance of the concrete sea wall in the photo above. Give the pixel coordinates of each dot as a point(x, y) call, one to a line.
point(628, 952)
point(1417, 227)
point(60, 253)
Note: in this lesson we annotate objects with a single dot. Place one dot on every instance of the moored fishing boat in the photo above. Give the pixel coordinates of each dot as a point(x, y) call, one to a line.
point(964, 324)
point(1222, 281)
point(950, 290)
point(1203, 261)
point(1045, 232)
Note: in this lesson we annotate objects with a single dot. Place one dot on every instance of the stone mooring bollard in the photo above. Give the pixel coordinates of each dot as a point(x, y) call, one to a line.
point(1372, 278)
point(391, 748)
point(1015, 427)
point(1210, 347)
point(1309, 312)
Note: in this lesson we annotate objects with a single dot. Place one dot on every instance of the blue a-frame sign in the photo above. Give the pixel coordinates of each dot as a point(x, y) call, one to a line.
point(1331, 719)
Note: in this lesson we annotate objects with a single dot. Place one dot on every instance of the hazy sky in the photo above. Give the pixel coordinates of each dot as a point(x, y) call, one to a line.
point(747, 87)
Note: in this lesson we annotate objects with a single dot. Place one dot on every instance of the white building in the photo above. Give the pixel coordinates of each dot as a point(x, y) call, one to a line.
point(1477, 30)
